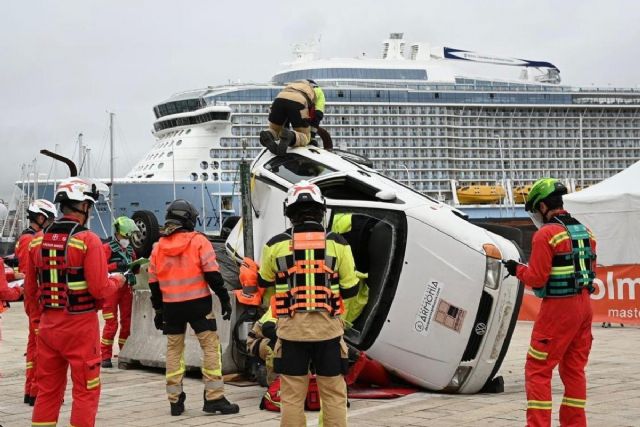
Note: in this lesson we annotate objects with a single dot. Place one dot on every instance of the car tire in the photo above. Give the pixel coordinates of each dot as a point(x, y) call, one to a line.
point(149, 232)
point(495, 385)
point(227, 226)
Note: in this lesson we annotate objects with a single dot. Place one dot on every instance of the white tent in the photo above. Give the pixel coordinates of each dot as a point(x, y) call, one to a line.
point(611, 209)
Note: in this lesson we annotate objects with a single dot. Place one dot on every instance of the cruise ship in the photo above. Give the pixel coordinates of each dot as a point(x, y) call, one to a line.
point(413, 112)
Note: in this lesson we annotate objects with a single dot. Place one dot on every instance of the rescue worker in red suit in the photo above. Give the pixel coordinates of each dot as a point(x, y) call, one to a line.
point(66, 277)
point(561, 270)
point(182, 269)
point(40, 213)
point(119, 254)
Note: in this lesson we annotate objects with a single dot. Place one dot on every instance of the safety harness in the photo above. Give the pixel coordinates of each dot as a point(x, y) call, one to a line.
point(120, 254)
point(571, 271)
point(63, 286)
point(306, 280)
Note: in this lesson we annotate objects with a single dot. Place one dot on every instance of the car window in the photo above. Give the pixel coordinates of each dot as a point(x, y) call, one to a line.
point(294, 168)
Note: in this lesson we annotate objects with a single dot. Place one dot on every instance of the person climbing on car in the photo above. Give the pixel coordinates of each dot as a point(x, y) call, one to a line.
point(66, 278)
point(300, 104)
point(312, 271)
point(120, 255)
point(182, 270)
point(41, 213)
point(561, 270)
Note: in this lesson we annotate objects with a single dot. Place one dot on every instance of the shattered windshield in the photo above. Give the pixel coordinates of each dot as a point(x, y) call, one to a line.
point(294, 168)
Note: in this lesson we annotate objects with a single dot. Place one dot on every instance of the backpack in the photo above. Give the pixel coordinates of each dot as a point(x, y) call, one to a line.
point(271, 399)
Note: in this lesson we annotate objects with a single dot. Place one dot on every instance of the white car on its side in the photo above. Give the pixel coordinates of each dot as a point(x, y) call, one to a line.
point(440, 312)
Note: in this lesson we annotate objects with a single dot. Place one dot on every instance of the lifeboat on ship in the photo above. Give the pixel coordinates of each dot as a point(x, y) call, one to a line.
point(520, 194)
point(480, 194)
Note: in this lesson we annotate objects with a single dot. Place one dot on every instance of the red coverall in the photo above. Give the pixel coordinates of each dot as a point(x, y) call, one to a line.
point(561, 335)
point(22, 252)
point(67, 339)
point(7, 293)
point(121, 301)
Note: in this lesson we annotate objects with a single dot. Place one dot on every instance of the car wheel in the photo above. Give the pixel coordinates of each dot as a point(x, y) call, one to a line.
point(227, 226)
point(149, 232)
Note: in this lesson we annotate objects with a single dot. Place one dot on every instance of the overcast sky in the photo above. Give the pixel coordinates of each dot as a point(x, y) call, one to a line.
point(63, 64)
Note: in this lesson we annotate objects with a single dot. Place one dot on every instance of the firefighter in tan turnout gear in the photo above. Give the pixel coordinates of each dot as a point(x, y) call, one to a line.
point(313, 271)
point(182, 268)
point(300, 104)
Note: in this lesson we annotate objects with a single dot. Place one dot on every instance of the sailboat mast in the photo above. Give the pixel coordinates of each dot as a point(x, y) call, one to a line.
point(111, 151)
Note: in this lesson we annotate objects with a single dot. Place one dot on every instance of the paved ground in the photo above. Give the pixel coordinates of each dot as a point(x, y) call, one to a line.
point(136, 397)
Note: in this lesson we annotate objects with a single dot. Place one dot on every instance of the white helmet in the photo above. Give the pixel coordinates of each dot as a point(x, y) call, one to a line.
point(303, 192)
point(77, 189)
point(42, 207)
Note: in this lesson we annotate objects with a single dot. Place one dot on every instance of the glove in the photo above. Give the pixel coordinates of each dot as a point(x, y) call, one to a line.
point(119, 278)
point(122, 265)
point(158, 320)
point(226, 309)
point(511, 266)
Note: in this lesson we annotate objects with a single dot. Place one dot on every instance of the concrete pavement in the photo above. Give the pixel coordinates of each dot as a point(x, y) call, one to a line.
point(136, 397)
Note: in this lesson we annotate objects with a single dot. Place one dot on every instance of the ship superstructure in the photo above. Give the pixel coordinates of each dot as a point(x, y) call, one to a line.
point(416, 119)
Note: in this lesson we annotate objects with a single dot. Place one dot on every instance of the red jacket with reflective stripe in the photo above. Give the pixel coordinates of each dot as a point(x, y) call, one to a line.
point(178, 263)
point(91, 258)
point(22, 251)
point(536, 273)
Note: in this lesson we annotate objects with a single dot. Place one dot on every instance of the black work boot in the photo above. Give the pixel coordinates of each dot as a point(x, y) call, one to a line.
point(32, 400)
point(268, 141)
point(221, 405)
point(106, 363)
point(26, 398)
point(178, 407)
point(287, 139)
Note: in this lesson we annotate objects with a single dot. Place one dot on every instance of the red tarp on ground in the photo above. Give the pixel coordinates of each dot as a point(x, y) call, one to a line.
point(614, 299)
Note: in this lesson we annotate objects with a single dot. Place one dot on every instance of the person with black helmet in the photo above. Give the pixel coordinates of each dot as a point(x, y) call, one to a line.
point(182, 269)
point(65, 281)
point(300, 104)
point(313, 271)
point(41, 213)
point(561, 270)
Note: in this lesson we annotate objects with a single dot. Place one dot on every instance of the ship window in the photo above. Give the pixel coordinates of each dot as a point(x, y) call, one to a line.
point(193, 176)
point(212, 153)
point(179, 142)
point(214, 176)
point(187, 132)
point(215, 165)
point(294, 168)
point(160, 165)
point(204, 176)
point(204, 164)
point(170, 153)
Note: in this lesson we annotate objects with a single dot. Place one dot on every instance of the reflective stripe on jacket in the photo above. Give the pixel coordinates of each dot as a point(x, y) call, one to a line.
point(549, 243)
point(178, 263)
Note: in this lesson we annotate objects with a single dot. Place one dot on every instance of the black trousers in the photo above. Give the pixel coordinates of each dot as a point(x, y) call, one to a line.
point(177, 314)
point(329, 358)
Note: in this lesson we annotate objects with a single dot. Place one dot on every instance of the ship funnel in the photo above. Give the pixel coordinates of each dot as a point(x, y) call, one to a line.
point(393, 47)
point(420, 52)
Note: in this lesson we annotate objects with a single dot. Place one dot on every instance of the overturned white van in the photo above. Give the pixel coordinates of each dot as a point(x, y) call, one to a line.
point(440, 313)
